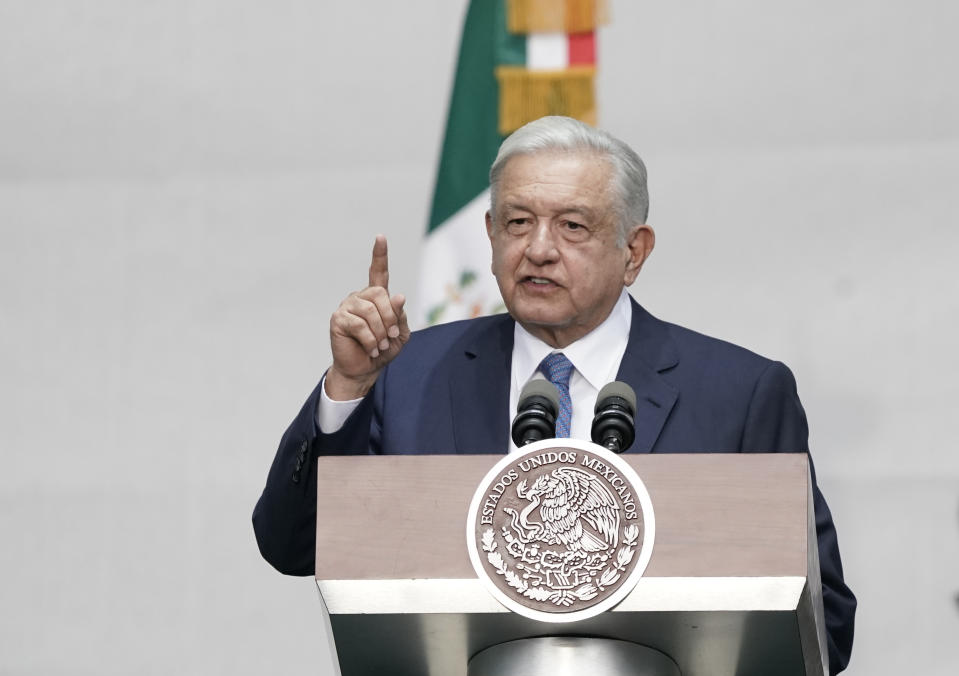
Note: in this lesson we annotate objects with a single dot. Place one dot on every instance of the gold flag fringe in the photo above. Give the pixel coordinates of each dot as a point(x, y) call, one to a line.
point(526, 95)
point(564, 16)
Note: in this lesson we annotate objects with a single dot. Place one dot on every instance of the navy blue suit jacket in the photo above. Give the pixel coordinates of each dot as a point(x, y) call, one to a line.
point(448, 392)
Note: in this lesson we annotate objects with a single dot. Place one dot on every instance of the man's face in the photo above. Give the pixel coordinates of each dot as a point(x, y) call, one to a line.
point(554, 235)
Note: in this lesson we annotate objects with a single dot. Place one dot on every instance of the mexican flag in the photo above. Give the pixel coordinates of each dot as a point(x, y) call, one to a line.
point(519, 60)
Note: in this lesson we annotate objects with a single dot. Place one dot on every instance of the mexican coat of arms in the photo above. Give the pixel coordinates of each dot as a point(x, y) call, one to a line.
point(561, 531)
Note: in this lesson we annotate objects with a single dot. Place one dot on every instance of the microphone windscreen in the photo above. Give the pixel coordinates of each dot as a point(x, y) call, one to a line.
point(538, 387)
point(619, 389)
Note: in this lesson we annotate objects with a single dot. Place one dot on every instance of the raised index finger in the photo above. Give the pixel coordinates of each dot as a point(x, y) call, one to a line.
point(380, 266)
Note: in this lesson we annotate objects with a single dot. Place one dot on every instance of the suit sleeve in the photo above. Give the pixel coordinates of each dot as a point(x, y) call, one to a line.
point(284, 518)
point(776, 422)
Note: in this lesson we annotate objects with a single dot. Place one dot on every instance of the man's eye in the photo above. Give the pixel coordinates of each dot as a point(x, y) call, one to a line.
point(574, 231)
point(518, 224)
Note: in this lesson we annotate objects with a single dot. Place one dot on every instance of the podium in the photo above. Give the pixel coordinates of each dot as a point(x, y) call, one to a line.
point(732, 587)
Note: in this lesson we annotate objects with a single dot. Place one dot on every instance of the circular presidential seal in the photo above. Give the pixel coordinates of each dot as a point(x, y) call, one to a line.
point(560, 531)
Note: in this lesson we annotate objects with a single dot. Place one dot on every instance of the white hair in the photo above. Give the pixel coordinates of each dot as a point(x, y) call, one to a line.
point(564, 134)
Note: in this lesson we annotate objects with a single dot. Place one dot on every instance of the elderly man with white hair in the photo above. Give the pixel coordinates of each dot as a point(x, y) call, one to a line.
point(568, 232)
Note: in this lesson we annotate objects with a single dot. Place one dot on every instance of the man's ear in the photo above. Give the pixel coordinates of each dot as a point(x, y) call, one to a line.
point(639, 244)
point(489, 233)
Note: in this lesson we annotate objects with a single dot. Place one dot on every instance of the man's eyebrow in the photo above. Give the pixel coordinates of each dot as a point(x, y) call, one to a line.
point(582, 211)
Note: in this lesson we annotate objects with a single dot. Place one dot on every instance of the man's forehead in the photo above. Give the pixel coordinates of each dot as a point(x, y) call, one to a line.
point(574, 182)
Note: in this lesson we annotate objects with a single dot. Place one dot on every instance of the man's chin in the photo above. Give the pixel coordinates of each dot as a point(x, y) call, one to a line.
point(535, 322)
point(538, 313)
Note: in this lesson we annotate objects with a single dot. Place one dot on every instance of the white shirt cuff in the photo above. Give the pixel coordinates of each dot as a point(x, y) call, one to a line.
point(331, 415)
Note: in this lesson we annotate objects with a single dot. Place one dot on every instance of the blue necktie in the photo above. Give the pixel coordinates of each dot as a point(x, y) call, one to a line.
point(557, 369)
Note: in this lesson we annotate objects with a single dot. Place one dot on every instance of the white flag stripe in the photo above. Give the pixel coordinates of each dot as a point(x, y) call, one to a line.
point(547, 51)
point(459, 245)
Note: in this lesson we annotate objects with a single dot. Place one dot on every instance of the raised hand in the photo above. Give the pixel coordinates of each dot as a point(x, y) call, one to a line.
point(367, 331)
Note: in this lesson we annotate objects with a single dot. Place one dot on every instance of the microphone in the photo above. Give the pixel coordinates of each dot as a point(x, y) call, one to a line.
point(613, 425)
point(536, 413)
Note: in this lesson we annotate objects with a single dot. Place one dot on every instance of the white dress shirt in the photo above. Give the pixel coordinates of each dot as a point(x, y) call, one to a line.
point(595, 358)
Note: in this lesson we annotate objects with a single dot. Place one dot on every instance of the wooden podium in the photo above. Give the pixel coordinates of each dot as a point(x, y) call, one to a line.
point(732, 588)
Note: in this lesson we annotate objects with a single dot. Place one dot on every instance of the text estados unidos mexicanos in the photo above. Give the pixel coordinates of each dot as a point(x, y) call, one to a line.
point(615, 481)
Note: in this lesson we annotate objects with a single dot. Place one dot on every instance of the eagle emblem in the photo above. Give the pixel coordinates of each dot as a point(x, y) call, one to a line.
point(560, 529)
point(576, 510)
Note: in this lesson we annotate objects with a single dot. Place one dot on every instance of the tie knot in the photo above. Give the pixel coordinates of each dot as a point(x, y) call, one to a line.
point(557, 368)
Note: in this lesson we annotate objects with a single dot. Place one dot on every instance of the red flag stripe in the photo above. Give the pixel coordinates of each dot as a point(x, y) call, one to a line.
point(582, 49)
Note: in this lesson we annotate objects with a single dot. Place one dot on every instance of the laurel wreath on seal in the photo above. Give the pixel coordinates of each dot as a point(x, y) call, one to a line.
point(565, 597)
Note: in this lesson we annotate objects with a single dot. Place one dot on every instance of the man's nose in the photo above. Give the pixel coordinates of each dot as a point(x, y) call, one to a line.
point(542, 244)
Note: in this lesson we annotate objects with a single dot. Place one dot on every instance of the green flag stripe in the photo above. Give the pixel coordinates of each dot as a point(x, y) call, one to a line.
point(472, 136)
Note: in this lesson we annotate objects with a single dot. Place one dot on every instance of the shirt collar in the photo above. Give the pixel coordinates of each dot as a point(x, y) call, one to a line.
point(596, 355)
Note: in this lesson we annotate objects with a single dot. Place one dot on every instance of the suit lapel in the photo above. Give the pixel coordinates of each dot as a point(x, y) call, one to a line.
point(479, 383)
point(479, 388)
point(649, 352)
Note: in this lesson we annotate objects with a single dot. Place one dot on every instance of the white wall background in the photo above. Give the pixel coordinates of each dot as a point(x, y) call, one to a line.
point(187, 188)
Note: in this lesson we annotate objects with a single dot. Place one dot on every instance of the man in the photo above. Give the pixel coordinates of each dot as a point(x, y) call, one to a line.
point(567, 226)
